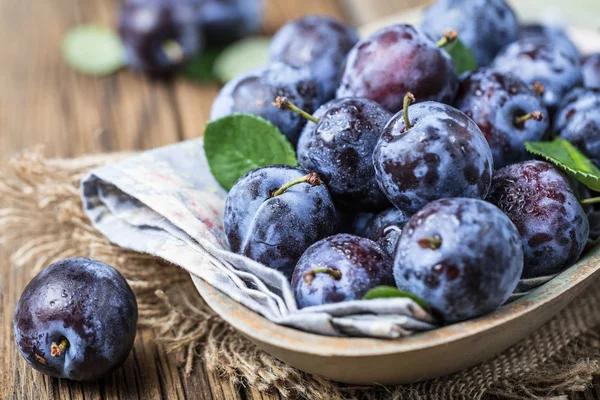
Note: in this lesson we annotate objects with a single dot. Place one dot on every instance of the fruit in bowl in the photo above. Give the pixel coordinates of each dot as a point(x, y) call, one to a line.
point(337, 143)
point(508, 111)
point(536, 60)
point(396, 60)
point(273, 214)
point(485, 26)
point(340, 268)
point(539, 200)
point(578, 121)
point(463, 257)
point(255, 91)
point(318, 43)
point(431, 151)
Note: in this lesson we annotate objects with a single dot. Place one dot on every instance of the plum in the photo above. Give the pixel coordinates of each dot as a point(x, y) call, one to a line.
point(462, 256)
point(76, 319)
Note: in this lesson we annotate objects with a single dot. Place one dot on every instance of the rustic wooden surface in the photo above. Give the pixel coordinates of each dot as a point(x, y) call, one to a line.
point(42, 101)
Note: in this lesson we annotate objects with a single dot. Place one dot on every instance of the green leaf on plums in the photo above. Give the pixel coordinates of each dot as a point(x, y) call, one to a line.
point(568, 158)
point(201, 67)
point(463, 57)
point(242, 56)
point(386, 292)
point(93, 50)
point(239, 143)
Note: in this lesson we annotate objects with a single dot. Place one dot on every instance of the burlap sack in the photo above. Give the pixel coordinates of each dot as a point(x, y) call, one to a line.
point(41, 221)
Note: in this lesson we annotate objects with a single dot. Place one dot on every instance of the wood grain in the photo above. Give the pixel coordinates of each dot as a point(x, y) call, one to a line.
point(42, 101)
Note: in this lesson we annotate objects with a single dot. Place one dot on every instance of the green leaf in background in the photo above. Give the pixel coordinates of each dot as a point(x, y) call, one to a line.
point(242, 56)
point(239, 143)
point(201, 67)
point(568, 158)
point(385, 292)
point(93, 50)
point(461, 55)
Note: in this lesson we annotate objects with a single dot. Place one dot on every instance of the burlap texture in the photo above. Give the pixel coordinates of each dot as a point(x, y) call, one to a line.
point(41, 221)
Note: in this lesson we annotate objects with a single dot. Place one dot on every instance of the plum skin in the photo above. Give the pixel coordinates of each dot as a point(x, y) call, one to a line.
point(485, 26)
point(443, 154)
point(473, 268)
point(275, 231)
point(255, 91)
point(396, 60)
point(317, 42)
point(340, 149)
point(540, 60)
point(590, 67)
point(578, 121)
point(85, 301)
point(539, 200)
point(550, 33)
point(360, 263)
point(493, 100)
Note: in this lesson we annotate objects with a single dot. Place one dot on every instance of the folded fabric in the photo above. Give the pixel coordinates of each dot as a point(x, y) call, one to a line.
point(165, 202)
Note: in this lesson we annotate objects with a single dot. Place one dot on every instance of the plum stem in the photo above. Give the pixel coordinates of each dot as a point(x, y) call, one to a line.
point(312, 179)
point(310, 275)
point(57, 350)
point(408, 100)
point(448, 37)
point(538, 87)
point(591, 200)
point(283, 103)
point(534, 115)
point(432, 242)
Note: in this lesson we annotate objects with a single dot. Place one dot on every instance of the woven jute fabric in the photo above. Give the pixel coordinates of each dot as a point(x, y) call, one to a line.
point(41, 221)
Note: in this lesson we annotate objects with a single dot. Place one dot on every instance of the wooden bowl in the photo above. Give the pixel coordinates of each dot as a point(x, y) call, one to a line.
point(421, 356)
point(370, 361)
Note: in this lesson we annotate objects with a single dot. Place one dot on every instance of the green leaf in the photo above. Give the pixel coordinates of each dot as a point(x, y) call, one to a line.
point(568, 158)
point(201, 67)
point(385, 292)
point(242, 56)
point(462, 56)
point(93, 50)
point(239, 143)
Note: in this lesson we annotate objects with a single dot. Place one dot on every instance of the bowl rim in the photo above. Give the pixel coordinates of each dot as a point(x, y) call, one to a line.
point(261, 329)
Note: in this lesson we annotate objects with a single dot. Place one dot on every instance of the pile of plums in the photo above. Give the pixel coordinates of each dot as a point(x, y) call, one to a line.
point(411, 175)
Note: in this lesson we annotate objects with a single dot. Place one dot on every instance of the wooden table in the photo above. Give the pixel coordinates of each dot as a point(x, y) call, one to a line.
point(42, 101)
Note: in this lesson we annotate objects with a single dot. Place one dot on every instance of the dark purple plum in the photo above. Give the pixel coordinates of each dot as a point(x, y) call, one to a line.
point(578, 121)
point(441, 154)
point(485, 26)
point(340, 149)
point(385, 229)
point(552, 34)
point(590, 68)
point(159, 35)
point(76, 319)
point(552, 224)
point(508, 111)
point(396, 60)
point(340, 268)
point(317, 42)
point(273, 214)
point(225, 21)
point(255, 91)
point(538, 60)
point(462, 256)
